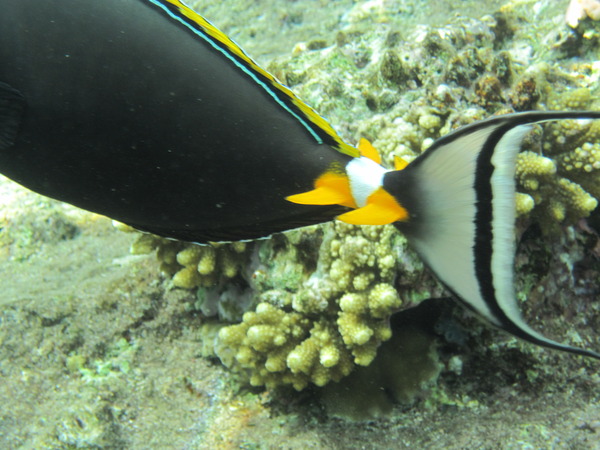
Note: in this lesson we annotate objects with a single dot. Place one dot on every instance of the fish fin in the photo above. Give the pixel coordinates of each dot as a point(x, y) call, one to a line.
point(318, 196)
point(12, 107)
point(460, 194)
point(381, 209)
point(330, 189)
point(400, 163)
point(316, 124)
point(368, 151)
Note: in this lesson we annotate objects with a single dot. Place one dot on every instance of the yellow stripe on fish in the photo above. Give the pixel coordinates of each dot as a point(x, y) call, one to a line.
point(179, 10)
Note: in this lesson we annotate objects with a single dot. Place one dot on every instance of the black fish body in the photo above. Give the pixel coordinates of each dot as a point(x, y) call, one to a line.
point(131, 115)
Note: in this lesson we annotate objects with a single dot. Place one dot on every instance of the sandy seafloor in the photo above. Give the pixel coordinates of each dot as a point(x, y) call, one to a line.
point(98, 351)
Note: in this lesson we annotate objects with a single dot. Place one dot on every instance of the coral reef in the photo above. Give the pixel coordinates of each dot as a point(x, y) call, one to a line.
point(284, 348)
point(313, 304)
point(209, 269)
point(563, 179)
point(387, 381)
point(193, 265)
point(70, 381)
point(337, 318)
point(313, 321)
point(309, 326)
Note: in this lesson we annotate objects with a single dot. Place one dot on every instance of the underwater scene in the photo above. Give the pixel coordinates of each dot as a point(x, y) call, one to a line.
point(313, 315)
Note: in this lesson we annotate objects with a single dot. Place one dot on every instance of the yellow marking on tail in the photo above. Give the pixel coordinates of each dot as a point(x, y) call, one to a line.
point(368, 151)
point(381, 209)
point(400, 163)
point(330, 189)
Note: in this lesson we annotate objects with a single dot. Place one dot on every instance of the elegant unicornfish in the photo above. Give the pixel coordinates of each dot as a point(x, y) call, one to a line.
point(143, 111)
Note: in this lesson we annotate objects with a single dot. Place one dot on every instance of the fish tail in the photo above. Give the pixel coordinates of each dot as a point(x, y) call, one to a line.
point(460, 198)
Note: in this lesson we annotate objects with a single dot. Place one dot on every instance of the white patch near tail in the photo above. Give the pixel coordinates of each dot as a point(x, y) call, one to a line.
point(365, 177)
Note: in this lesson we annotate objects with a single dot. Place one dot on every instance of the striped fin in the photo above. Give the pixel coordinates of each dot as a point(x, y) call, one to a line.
point(316, 125)
point(462, 210)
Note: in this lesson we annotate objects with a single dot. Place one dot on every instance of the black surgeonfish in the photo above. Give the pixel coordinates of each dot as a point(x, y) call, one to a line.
point(143, 111)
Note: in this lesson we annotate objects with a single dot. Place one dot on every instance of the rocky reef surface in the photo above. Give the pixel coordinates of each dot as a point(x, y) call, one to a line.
point(242, 345)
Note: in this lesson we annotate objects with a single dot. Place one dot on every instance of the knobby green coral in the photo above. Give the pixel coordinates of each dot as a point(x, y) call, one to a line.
point(563, 184)
point(309, 326)
point(279, 347)
point(333, 322)
point(193, 265)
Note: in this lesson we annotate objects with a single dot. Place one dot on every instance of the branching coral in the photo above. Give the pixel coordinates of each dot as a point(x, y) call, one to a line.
point(310, 326)
point(336, 320)
point(193, 265)
point(280, 347)
point(564, 184)
point(583, 166)
point(325, 294)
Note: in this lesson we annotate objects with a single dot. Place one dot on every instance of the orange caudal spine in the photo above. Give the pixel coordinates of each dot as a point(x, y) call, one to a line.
point(331, 188)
